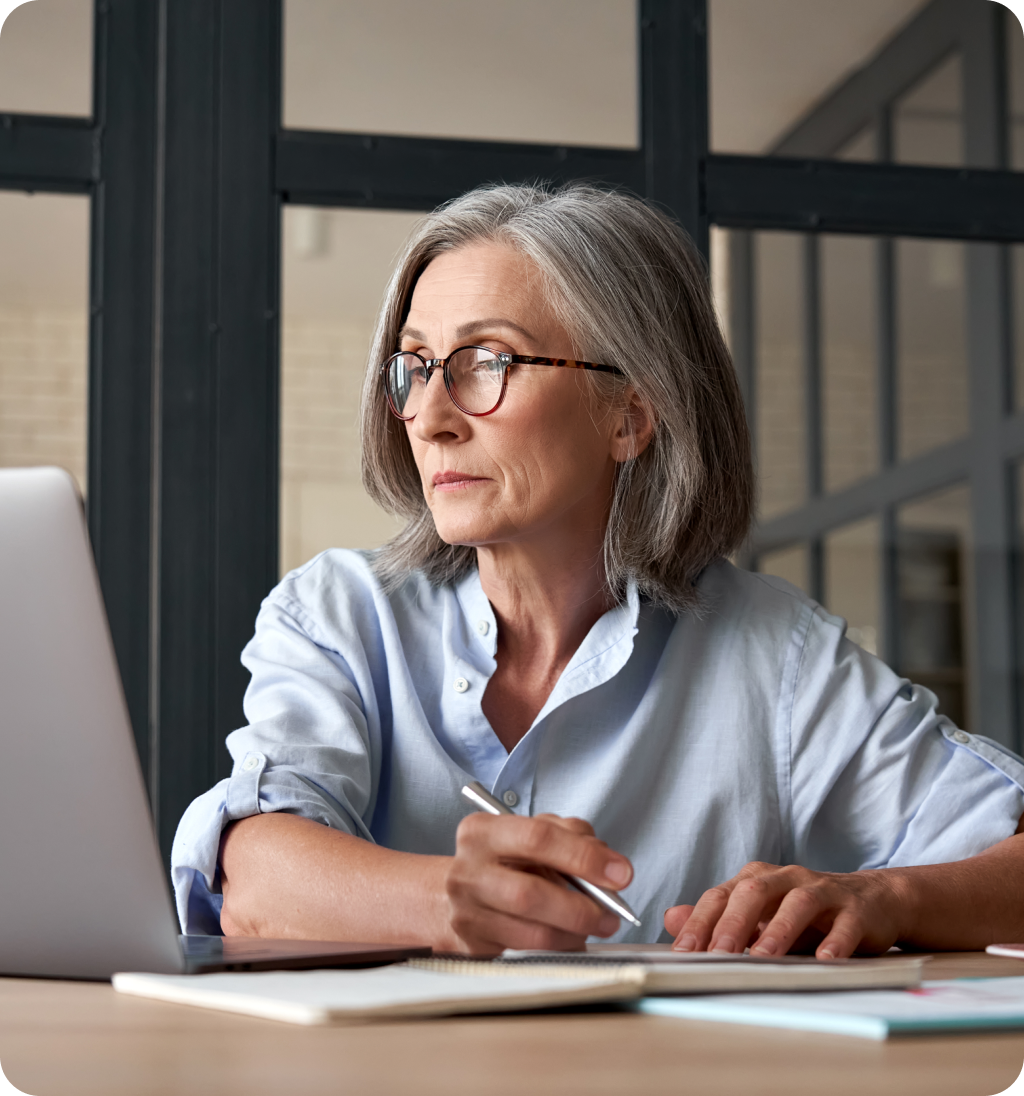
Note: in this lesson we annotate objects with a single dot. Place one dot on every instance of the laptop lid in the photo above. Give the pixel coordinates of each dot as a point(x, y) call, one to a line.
point(82, 885)
point(83, 890)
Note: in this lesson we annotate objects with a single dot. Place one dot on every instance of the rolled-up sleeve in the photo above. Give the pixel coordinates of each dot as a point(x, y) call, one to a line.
point(878, 777)
point(311, 748)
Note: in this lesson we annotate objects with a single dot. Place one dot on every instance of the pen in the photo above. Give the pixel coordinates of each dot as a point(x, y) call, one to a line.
point(482, 799)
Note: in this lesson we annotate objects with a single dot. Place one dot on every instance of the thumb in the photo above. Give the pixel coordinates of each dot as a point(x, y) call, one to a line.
point(676, 918)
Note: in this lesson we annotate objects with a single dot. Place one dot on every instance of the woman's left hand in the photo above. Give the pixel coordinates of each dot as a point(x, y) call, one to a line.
point(777, 909)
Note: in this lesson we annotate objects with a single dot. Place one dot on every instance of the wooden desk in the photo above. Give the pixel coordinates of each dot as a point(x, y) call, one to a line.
point(81, 1039)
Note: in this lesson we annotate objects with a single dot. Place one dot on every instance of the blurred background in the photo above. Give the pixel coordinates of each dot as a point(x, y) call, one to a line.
point(856, 353)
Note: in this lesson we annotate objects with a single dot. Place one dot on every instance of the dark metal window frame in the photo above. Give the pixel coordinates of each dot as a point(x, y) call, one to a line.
point(187, 165)
point(986, 458)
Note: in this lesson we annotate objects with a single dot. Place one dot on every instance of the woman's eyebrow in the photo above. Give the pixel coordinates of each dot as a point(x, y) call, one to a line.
point(471, 328)
point(492, 324)
point(411, 333)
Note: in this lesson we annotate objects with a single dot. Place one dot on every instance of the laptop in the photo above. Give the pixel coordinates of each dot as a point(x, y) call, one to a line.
point(83, 890)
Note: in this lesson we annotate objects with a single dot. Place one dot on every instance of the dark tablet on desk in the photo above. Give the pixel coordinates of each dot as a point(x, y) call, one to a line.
point(205, 954)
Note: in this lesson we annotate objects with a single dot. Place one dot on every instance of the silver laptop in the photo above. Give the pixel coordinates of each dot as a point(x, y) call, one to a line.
point(83, 892)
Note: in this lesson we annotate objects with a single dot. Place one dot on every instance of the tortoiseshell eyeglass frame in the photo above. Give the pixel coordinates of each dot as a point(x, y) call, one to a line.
point(507, 360)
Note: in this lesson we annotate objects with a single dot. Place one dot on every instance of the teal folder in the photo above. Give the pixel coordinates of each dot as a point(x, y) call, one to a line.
point(964, 1004)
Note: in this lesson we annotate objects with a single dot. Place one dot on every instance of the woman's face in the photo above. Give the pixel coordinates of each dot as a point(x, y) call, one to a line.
point(542, 465)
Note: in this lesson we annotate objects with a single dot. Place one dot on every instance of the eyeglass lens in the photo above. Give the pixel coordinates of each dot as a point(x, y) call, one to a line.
point(475, 376)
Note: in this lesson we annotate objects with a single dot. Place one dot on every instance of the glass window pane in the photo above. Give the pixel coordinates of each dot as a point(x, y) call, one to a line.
point(931, 344)
point(772, 61)
point(44, 273)
point(935, 597)
point(792, 564)
point(927, 122)
point(779, 385)
point(46, 58)
point(336, 264)
point(853, 580)
point(862, 148)
point(1015, 64)
point(1017, 306)
point(560, 71)
point(848, 346)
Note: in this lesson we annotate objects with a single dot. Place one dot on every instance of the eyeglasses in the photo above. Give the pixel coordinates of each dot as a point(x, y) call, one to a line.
point(475, 377)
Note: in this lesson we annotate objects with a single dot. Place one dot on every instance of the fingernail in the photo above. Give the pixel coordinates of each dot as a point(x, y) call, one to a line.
point(608, 924)
point(826, 954)
point(685, 943)
point(767, 946)
point(618, 872)
point(725, 943)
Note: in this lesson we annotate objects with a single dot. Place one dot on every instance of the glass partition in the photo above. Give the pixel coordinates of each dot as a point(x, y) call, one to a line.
point(849, 344)
point(44, 320)
point(1017, 320)
point(928, 122)
point(779, 329)
point(1015, 69)
point(336, 264)
point(771, 62)
point(931, 348)
point(934, 547)
point(559, 71)
point(793, 564)
point(853, 581)
point(46, 58)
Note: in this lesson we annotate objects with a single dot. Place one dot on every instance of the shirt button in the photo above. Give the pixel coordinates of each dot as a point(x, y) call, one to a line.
point(461, 684)
point(510, 797)
point(962, 737)
point(250, 763)
point(483, 626)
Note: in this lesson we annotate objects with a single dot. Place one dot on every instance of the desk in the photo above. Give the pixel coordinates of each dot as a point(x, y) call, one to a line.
point(81, 1039)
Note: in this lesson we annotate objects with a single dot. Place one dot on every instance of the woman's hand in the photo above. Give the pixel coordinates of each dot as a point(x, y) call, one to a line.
point(503, 890)
point(778, 909)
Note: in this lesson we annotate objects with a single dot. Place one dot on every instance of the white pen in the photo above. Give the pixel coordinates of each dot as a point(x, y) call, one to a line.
point(482, 799)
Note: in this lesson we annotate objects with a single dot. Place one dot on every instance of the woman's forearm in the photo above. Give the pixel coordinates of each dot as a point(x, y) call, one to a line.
point(284, 876)
point(965, 905)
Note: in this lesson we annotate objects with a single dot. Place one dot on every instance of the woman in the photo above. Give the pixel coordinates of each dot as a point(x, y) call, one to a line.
point(551, 407)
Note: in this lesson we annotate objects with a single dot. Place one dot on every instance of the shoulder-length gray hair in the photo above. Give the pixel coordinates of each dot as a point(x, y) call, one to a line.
point(631, 290)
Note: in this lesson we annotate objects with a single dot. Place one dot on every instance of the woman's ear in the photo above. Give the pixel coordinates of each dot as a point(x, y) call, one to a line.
point(634, 428)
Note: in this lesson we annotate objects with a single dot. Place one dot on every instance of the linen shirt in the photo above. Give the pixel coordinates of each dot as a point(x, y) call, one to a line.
point(752, 729)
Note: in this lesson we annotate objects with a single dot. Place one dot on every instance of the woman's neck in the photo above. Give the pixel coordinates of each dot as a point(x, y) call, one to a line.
point(545, 603)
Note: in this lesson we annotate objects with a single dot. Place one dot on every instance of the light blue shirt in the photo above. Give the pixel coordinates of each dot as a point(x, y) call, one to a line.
point(752, 730)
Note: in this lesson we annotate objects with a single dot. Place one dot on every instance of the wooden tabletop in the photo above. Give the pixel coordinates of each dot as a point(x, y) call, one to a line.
point(80, 1039)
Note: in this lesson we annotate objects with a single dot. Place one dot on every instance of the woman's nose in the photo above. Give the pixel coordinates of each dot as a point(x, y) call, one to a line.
point(437, 418)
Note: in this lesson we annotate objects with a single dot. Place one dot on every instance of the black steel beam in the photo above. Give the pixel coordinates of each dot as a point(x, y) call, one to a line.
point(674, 115)
point(418, 173)
point(121, 340)
point(39, 152)
point(873, 199)
point(216, 458)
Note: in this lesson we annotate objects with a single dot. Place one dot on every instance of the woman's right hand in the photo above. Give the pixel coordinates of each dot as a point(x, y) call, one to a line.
point(503, 890)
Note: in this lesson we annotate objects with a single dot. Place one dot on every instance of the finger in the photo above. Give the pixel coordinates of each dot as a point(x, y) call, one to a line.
point(492, 931)
point(573, 825)
point(796, 912)
point(529, 897)
point(676, 918)
point(843, 938)
point(696, 934)
point(542, 841)
point(752, 900)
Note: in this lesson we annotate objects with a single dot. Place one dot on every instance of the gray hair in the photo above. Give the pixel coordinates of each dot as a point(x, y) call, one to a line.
point(631, 290)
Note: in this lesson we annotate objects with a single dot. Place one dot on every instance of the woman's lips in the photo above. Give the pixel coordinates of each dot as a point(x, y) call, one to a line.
point(454, 481)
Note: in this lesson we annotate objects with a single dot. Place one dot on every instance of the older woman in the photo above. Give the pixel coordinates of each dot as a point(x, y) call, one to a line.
point(551, 407)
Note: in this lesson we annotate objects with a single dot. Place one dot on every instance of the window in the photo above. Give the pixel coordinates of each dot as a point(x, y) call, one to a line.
point(243, 173)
